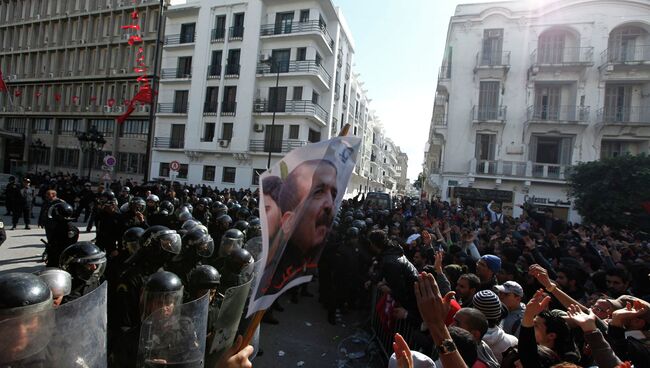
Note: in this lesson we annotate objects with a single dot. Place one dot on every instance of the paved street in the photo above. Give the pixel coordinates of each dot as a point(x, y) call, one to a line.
point(303, 337)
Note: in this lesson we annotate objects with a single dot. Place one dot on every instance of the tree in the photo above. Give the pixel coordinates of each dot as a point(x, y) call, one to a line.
point(613, 191)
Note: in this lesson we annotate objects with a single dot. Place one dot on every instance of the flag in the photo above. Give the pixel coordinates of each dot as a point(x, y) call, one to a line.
point(144, 97)
point(303, 192)
point(18, 92)
point(3, 86)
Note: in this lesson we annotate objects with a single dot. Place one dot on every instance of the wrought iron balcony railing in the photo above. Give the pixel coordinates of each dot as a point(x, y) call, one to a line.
point(623, 115)
point(297, 27)
point(171, 73)
point(562, 56)
point(302, 66)
point(291, 106)
point(168, 142)
point(277, 146)
point(558, 113)
point(489, 113)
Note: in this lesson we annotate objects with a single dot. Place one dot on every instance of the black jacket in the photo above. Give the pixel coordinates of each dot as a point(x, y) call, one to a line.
point(400, 274)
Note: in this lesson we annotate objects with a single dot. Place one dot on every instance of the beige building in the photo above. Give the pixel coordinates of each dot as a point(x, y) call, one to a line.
point(68, 67)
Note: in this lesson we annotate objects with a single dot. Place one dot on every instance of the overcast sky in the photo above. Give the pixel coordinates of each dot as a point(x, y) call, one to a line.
point(399, 48)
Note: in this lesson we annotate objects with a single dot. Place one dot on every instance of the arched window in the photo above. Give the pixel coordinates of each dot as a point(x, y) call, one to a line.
point(625, 44)
point(551, 48)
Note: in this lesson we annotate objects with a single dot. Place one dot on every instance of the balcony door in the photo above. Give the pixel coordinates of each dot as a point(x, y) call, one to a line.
point(184, 69)
point(617, 103)
point(551, 150)
point(547, 103)
point(492, 47)
point(177, 136)
point(283, 22)
point(488, 101)
point(187, 32)
point(280, 60)
point(180, 101)
point(273, 138)
point(551, 48)
point(277, 99)
point(623, 44)
point(485, 147)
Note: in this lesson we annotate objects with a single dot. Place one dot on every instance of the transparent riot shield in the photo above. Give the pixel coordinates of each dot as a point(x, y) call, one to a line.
point(175, 337)
point(24, 339)
point(79, 338)
point(229, 317)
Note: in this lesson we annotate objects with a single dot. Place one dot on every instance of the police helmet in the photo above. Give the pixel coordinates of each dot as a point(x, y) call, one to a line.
point(242, 225)
point(83, 260)
point(204, 277)
point(131, 239)
point(61, 212)
point(163, 292)
point(59, 281)
point(22, 294)
point(166, 208)
point(137, 204)
point(231, 239)
point(198, 242)
point(160, 238)
point(352, 232)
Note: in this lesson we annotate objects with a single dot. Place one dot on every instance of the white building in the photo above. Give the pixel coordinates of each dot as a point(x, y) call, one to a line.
point(552, 84)
point(220, 112)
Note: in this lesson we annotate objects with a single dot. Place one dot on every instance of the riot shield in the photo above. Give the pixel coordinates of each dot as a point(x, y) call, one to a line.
point(72, 335)
point(79, 338)
point(175, 337)
point(229, 317)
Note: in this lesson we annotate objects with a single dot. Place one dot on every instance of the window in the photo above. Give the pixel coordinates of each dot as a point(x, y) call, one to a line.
point(40, 156)
point(226, 131)
point(314, 136)
point(163, 171)
point(214, 69)
point(485, 147)
point(220, 28)
point(42, 126)
point(208, 132)
point(492, 47)
point(66, 157)
point(297, 93)
point(69, 127)
point(134, 129)
point(187, 32)
point(294, 131)
point(281, 60)
point(301, 55)
point(488, 101)
point(182, 172)
point(180, 101)
point(229, 100)
point(209, 172)
point(551, 150)
point(618, 101)
point(547, 102)
point(184, 69)
point(177, 139)
point(131, 163)
point(283, 22)
point(551, 47)
point(232, 66)
point(318, 59)
point(304, 15)
point(238, 26)
point(624, 44)
point(229, 174)
point(104, 126)
point(211, 100)
point(273, 138)
point(610, 149)
point(314, 97)
point(277, 99)
point(256, 176)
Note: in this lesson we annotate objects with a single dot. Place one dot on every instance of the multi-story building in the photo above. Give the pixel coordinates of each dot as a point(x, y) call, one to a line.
point(245, 81)
point(552, 84)
point(69, 67)
point(401, 170)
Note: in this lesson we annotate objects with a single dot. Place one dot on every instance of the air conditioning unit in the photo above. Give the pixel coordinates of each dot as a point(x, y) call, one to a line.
point(51, 75)
point(12, 77)
point(258, 106)
point(108, 109)
point(258, 128)
point(123, 71)
point(118, 109)
point(224, 143)
point(265, 57)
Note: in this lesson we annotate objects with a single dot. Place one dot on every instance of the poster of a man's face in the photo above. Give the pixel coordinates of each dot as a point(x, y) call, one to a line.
point(300, 197)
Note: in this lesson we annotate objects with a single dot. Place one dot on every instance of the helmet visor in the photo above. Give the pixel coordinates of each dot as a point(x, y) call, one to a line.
point(166, 302)
point(59, 281)
point(228, 244)
point(170, 241)
point(205, 247)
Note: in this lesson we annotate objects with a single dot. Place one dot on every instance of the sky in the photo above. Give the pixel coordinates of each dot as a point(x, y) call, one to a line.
point(399, 45)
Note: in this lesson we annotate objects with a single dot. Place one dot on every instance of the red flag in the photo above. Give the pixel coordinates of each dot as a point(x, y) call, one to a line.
point(57, 97)
point(3, 86)
point(75, 99)
point(18, 92)
point(110, 102)
point(144, 96)
point(38, 94)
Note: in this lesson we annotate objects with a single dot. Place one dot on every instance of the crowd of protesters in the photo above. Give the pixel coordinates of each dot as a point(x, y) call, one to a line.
point(464, 285)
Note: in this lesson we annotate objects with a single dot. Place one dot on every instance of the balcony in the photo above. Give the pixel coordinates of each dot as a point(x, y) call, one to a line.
point(175, 73)
point(292, 107)
point(210, 109)
point(493, 60)
point(313, 26)
point(620, 56)
point(635, 115)
point(228, 108)
point(168, 142)
point(172, 108)
point(232, 71)
point(482, 114)
point(518, 169)
point(236, 34)
point(218, 35)
point(214, 71)
point(299, 67)
point(440, 119)
point(444, 73)
point(557, 114)
point(179, 39)
point(276, 146)
point(561, 58)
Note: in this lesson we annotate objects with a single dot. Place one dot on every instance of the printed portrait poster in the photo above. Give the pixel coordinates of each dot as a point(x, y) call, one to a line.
point(299, 199)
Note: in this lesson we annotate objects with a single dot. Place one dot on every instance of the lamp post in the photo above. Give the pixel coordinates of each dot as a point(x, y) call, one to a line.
point(36, 147)
point(91, 141)
point(272, 62)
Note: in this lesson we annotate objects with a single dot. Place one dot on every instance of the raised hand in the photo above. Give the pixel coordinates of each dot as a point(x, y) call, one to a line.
point(541, 275)
point(535, 306)
point(402, 352)
point(632, 309)
point(586, 321)
point(432, 306)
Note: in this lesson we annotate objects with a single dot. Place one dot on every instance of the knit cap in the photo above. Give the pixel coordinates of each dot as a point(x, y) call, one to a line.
point(493, 262)
point(488, 303)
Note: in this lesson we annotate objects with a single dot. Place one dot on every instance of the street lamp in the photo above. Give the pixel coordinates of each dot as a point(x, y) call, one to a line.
point(91, 141)
point(36, 148)
point(272, 62)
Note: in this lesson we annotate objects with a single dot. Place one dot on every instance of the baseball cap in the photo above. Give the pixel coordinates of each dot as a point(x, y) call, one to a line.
point(511, 287)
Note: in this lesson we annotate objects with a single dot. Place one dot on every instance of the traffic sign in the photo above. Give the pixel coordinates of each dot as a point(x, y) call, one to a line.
point(110, 160)
point(175, 165)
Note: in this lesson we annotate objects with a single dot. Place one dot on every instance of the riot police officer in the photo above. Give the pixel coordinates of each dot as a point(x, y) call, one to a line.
point(205, 279)
point(59, 231)
point(86, 263)
point(164, 216)
point(59, 281)
point(238, 268)
point(152, 206)
point(124, 197)
point(231, 239)
point(219, 226)
point(197, 245)
point(201, 212)
point(134, 214)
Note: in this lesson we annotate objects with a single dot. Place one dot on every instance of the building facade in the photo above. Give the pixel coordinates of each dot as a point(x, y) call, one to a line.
point(550, 86)
point(68, 67)
point(244, 83)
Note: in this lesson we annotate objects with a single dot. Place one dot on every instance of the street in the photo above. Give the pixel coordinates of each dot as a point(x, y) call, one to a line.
point(303, 337)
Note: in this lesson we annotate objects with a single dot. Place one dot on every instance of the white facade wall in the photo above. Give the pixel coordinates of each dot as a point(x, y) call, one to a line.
point(583, 77)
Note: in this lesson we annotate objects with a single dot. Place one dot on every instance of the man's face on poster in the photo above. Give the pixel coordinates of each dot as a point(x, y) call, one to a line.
point(273, 215)
point(318, 195)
